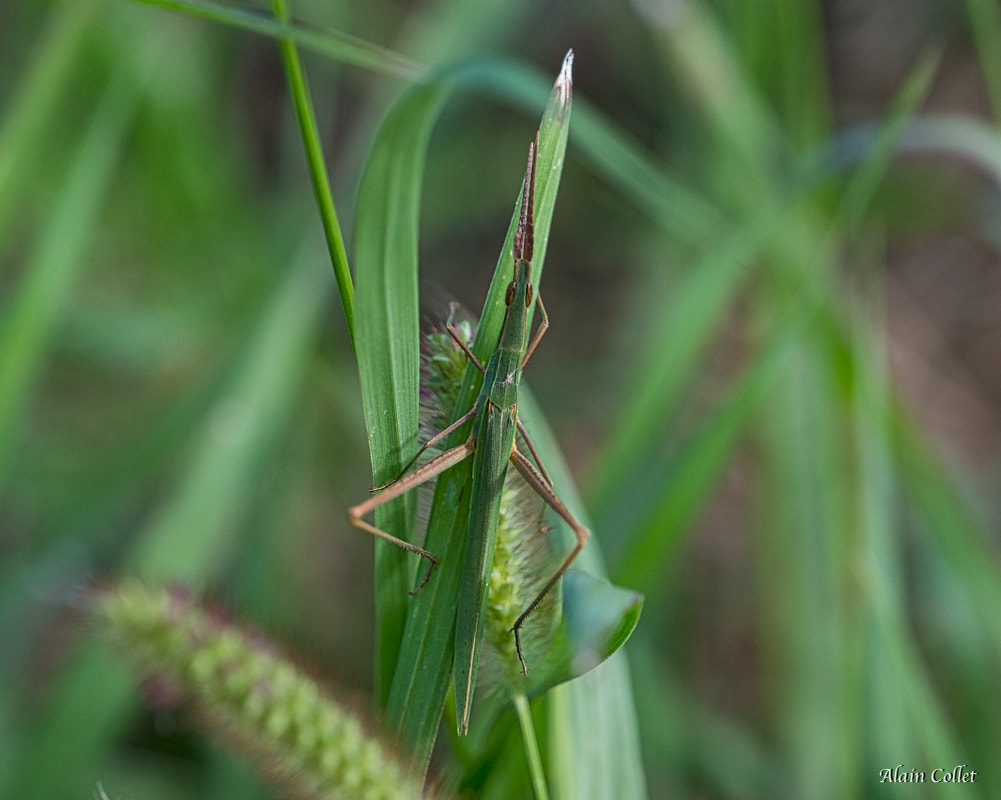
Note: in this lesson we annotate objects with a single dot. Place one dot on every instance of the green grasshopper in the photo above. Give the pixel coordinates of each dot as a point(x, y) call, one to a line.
point(491, 445)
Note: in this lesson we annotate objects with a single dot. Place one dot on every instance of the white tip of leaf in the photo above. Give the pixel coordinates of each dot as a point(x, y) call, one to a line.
point(564, 83)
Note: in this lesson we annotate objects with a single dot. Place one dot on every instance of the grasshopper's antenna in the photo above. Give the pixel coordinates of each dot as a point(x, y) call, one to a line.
point(525, 235)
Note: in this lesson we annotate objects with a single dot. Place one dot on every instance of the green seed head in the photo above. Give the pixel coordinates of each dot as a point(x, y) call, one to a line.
point(245, 691)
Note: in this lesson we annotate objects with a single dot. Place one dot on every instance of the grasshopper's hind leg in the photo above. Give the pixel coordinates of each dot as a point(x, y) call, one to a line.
point(544, 489)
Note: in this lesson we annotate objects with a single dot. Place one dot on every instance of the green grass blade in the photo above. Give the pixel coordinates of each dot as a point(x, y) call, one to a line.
point(858, 195)
point(592, 734)
point(780, 47)
point(33, 105)
point(32, 310)
point(189, 537)
point(619, 159)
point(317, 168)
point(668, 357)
point(884, 603)
point(334, 44)
point(421, 678)
point(683, 485)
point(908, 724)
point(532, 754)
point(985, 24)
point(953, 527)
point(387, 339)
point(803, 536)
point(594, 749)
point(195, 531)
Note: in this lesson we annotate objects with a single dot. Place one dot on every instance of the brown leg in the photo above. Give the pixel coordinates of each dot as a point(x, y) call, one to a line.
point(535, 479)
point(436, 438)
point(535, 454)
point(402, 486)
point(543, 327)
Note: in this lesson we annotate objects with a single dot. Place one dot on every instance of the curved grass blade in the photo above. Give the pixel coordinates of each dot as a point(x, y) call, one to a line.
point(592, 738)
point(684, 484)
point(334, 44)
point(387, 339)
point(597, 620)
point(985, 25)
point(422, 673)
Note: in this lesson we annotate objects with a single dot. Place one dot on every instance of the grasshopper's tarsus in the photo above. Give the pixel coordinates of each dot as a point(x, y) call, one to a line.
point(427, 576)
point(521, 656)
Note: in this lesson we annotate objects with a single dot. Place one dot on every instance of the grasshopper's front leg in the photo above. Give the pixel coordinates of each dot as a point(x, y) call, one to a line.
point(429, 443)
point(543, 327)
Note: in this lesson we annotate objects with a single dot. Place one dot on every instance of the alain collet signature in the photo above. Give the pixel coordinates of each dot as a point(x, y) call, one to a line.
point(898, 774)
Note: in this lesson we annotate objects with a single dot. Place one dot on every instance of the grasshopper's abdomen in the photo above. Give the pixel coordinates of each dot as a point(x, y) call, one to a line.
point(490, 461)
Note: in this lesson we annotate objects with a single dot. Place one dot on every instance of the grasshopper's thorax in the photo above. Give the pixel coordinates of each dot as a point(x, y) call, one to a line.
point(504, 369)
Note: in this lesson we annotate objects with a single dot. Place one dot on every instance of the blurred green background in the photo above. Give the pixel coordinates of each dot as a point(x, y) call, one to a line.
point(773, 364)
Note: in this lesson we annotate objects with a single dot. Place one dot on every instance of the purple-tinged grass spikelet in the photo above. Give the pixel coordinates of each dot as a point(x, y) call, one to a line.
point(244, 690)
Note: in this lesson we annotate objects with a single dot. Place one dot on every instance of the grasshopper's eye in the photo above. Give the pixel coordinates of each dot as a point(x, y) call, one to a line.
point(528, 296)
point(510, 293)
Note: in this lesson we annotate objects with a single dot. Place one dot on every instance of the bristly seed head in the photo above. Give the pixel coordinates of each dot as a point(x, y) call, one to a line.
point(443, 366)
point(523, 558)
point(522, 555)
point(245, 691)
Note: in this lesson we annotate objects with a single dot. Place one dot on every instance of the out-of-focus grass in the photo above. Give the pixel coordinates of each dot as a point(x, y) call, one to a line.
point(178, 397)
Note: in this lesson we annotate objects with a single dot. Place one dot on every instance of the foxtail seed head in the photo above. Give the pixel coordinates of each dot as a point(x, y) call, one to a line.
point(244, 690)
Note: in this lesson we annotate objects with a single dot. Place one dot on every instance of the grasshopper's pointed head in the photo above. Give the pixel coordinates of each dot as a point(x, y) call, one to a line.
point(524, 236)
